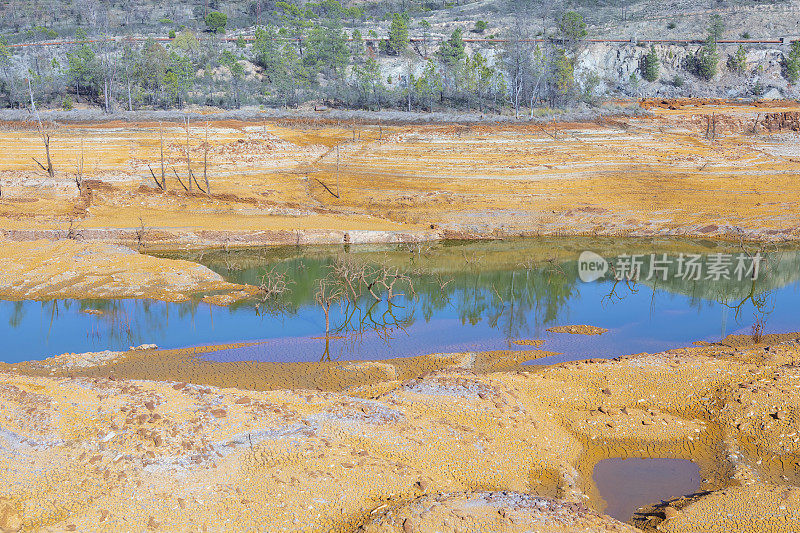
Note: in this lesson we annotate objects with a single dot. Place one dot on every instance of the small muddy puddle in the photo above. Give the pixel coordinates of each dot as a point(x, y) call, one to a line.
point(628, 484)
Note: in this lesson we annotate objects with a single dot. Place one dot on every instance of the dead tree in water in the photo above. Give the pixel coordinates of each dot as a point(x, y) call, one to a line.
point(45, 137)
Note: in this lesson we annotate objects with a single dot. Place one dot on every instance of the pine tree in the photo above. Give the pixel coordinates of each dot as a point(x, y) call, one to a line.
point(398, 35)
point(650, 65)
point(792, 62)
point(737, 63)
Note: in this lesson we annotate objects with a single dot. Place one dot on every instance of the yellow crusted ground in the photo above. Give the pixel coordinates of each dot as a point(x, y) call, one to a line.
point(112, 453)
point(289, 182)
point(68, 268)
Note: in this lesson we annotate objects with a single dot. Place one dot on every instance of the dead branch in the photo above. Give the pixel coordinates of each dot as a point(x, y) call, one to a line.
point(327, 188)
point(159, 185)
point(179, 179)
point(192, 177)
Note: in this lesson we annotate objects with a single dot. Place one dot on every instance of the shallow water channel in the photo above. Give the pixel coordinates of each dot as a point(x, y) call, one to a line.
point(399, 300)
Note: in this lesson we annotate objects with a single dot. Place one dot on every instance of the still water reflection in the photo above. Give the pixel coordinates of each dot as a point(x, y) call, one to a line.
point(391, 301)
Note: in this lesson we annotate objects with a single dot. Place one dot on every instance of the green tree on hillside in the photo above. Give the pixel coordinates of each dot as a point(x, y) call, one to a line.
point(83, 70)
point(650, 64)
point(792, 62)
point(296, 21)
point(563, 76)
point(327, 50)
point(178, 78)
point(7, 83)
point(572, 28)
point(716, 28)
point(429, 85)
point(398, 35)
point(706, 58)
point(452, 50)
point(737, 63)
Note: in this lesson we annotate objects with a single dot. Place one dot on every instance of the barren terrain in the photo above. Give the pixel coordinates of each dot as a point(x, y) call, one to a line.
point(91, 449)
point(152, 439)
point(277, 182)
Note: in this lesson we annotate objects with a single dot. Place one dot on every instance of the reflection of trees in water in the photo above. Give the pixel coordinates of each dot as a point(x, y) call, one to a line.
point(357, 298)
point(511, 297)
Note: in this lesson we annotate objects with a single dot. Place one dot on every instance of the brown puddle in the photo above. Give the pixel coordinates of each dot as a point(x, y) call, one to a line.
point(628, 484)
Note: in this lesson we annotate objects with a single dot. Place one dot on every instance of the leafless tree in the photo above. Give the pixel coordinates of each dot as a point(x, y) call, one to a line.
point(205, 162)
point(188, 160)
point(140, 233)
point(328, 292)
point(163, 174)
point(45, 137)
point(79, 171)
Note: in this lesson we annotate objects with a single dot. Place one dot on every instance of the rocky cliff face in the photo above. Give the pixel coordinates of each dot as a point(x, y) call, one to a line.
point(618, 67)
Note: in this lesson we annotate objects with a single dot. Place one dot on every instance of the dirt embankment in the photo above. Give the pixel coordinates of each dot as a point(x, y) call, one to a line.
point(93, 449)
point(44, 270)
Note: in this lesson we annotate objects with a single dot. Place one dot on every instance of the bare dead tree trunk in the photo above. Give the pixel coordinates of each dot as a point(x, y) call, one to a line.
point(163, 174)
point(205, 163)
point(337, 171)
point(188, 161)
point(105, 94)
point(45, 138)
point(79, 173)
point(128, 83)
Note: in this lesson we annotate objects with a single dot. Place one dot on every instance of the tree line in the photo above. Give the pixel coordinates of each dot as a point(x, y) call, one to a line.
point(316, 52)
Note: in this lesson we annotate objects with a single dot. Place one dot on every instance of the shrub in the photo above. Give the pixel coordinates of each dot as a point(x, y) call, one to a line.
point(216, 22)
point(677, 81)
point(171, 34)
point(746, 35)
point(737, 63)
point(671, 26)
point(480, 26)
point(66, 103)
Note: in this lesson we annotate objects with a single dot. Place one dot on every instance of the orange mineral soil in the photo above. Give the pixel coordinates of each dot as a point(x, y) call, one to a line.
point(710, 168)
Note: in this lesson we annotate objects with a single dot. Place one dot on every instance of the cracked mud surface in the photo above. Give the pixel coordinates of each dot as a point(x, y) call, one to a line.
point(94, 449)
